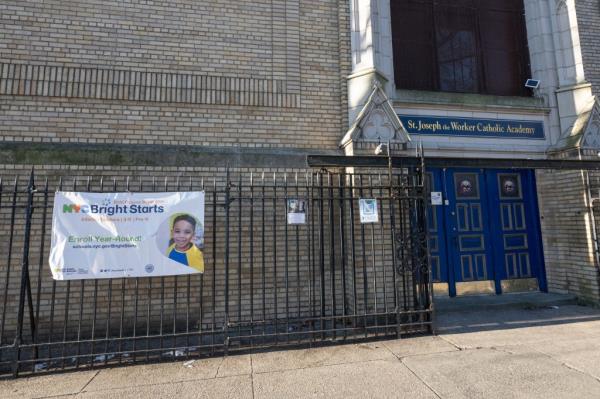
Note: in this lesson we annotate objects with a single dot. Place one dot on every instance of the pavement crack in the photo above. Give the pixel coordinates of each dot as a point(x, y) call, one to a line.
point(252, 375)
point(501, 349)
point(420, 379)
point(219, 367)
point(312, 366)
point(567, 365)
point(401, 360)
point(450, 342)
point(89, 382)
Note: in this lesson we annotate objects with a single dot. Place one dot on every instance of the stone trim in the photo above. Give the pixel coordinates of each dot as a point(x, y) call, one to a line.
point(153, 155)
point(151, 86)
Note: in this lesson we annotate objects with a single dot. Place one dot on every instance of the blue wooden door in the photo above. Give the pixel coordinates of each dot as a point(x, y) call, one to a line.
point(467, 228)
point(487, 228)
point(437, 231)
point(515, 226)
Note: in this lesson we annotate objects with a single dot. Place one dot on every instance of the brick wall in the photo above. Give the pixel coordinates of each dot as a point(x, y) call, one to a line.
point(566, 234)
point(216, 73)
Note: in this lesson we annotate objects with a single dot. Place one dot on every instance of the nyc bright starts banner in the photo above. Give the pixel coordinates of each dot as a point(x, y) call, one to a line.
point(108, 235)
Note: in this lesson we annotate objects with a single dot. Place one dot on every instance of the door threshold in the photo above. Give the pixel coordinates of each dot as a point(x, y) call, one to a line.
point(468, 288)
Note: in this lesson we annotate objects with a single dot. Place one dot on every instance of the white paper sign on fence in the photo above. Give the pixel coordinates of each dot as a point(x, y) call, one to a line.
point(368, 210)
point(108, 235)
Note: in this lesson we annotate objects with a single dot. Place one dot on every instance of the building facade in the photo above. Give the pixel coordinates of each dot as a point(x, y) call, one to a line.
point(455, 73)
point(183, 87)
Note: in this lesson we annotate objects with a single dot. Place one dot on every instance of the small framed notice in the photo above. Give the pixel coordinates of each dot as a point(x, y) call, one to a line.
point(436, 198)
point(296, 211)
point(368, 210)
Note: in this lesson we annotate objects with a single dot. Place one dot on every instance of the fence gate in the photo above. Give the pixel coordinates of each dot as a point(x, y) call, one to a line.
point(267, 283)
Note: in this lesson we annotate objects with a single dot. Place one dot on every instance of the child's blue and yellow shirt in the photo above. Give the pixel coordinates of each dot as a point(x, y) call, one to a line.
point(192, 257)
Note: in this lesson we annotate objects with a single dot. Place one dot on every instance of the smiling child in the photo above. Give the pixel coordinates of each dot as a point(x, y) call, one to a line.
point(181, 246)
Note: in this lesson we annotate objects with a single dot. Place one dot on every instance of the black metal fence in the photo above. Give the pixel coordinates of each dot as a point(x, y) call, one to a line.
point(266, 283)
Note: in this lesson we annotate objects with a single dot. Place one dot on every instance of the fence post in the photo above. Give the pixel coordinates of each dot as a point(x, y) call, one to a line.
point(427, 254)
point(228, 201)
point(25, 283)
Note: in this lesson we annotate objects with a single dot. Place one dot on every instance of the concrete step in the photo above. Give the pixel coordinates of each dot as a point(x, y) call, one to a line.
point(526, 300)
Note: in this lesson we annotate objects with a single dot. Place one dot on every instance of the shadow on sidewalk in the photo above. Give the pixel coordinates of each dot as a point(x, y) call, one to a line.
point(512, 313)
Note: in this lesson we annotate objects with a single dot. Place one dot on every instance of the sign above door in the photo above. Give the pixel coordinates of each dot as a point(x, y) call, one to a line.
point(471, 127)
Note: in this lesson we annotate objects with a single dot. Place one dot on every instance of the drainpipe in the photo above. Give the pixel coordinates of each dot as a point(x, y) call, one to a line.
point(590, 200)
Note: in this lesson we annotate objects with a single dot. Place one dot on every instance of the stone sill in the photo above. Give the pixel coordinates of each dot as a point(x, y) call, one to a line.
point(469, 101)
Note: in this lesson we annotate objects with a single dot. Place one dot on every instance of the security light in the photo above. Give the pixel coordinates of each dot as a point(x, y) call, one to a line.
point(532, 83)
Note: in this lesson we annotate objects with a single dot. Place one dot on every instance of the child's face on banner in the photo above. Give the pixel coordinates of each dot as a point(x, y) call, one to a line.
point(183, 233)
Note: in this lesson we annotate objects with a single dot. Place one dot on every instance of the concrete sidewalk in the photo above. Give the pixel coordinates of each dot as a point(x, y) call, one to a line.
point(536, 353)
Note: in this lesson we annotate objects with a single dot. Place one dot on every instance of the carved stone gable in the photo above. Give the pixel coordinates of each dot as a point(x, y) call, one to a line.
point(591, 135)
point(378, 127)
point(377, 122)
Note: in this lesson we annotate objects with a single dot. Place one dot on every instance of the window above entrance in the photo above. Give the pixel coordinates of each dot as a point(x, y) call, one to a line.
point(461, 46)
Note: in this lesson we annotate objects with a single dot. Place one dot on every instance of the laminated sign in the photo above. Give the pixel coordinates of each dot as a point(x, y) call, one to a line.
point(107, 235)
point(368, 210)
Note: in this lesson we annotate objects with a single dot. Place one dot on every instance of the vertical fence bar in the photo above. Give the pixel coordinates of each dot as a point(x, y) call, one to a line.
point(94, 317)
point(24, 274)
point(239, 256)
point(175, 280)
point(81, 299)
point(311, 252)
point(331, 221)
point(188, 281)
point(136, 302)
point(275, 286)
point(67, 305)
point(251, 259)
point(374, 262)
point(149, 303)
point(297, 229)
point(392, 221)
point(109, 311)
point(400, 233)
point(40, 260)
point(353, 252)
point(9, 257)
point(214, 271)
point(342, 218)
point(428, 284)
point(263, 256)
point(199, 331)
point(95, 304)
point(52, 299)
point(364, 262)
point(383, 252)
point(286, 262)
point(321, 253)
point(227, 203)
point(162, 297)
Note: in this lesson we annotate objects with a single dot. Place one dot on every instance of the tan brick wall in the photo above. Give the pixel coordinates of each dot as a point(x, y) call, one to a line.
point(566, 234)
point(247, 73)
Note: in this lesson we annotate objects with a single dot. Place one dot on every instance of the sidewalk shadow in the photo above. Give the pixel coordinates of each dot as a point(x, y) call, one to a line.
point(458, 322)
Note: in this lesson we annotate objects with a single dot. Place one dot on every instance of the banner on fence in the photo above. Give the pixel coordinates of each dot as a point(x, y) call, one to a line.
point(109, 235)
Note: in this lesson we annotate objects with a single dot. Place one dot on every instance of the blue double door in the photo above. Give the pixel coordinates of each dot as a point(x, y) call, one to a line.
point(486, 229)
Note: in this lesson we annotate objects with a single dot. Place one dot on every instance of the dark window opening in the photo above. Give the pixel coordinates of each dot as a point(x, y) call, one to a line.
point(464, 46)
